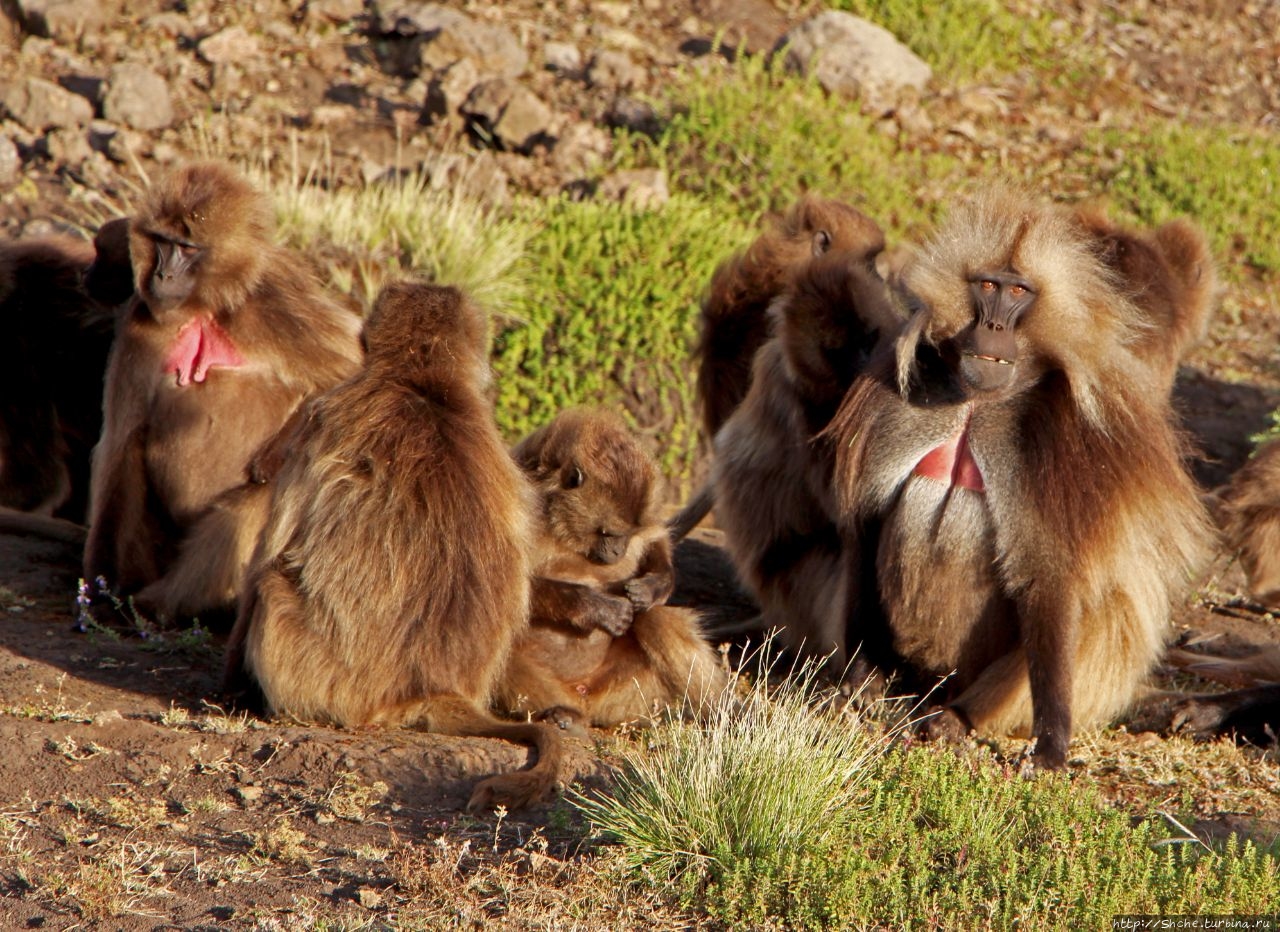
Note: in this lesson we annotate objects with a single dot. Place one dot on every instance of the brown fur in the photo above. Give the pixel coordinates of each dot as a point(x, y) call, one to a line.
point(172, 457)
point(602, 647)
point(51, 368)
point(1170, 277)
point(109, 279)
point(770, 482)
point(1249, 515)
point(393, 575)
point(734, 323)
point(1049, 592)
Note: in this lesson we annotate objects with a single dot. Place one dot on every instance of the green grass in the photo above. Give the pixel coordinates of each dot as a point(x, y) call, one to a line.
point(964, 38)
point(1227, 180)
point(750, 139)
point(608, 315)
point(374, 233)
point(784, 815)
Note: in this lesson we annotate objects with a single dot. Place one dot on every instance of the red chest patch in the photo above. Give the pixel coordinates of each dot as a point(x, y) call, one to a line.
point(953, 464)
point(199, 346)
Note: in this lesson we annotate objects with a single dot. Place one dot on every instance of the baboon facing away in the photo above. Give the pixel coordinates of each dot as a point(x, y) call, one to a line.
point(226, 334)
point(734, 323)
point(603, 647)
point(1008, 477)
point(769, 479)
point(51, 369)
point(392, 577)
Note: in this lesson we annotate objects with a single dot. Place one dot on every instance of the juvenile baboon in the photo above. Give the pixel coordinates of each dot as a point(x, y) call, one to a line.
point(735, 320)
point(1008, 475)
point(602, 647)
point(734, 323)
point(109, 278)
point(51, 367)
point(1248, 512)
point(1251, 712)
point(770, 481)
point(1169, 275)
point(392, 577)
point(226, 334)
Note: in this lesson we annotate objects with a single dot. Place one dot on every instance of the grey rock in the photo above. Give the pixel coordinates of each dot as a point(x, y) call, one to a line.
point(65, 20)
point(486, 101)
point(136, 96)
point(855, 58)
point(448, 36)
point(67, 145)
point(40, 105)
point(493, 49)
point(334, 11)
point(631, 113)
point(751, 26)
point(171, 25)
point(581, 148)
point(508, 113)
point(645, 188)
point(525, 121)
point(449, 89)
point(233, 44)
point(10, 162)
point(416, 19)
point(615, 69)
point(563, 57)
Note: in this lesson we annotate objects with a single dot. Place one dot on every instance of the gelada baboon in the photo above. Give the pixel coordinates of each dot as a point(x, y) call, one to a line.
point(109, 279)
point(735, 322)
point(392, 578)
point(1009, 480)
point(51, 368)
point(1248, 511)
point(602, 647)
point(769, 480)
point(1170, 277)
point(1251, 712)
point(226, 334)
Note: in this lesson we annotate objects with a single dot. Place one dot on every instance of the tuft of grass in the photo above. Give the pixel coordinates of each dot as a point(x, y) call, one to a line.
point(373, 233)
point(967, 38)
point(767, 780)
point(609, 315)
point(1228, 180)
point(787, 815)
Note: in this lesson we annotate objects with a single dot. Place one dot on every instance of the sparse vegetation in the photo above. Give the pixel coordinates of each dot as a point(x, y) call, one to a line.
point(778, 812)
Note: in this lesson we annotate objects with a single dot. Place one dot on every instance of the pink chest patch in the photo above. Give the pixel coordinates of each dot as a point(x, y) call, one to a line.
point(953, 464)
point(199, 346)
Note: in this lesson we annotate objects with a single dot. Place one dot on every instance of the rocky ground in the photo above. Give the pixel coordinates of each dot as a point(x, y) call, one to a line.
point(126, 799)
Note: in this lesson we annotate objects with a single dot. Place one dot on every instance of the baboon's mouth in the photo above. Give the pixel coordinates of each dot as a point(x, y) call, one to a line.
point(985, 358)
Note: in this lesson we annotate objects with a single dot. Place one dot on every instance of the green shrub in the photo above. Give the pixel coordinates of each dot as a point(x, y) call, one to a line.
point(749, 139)
point(1226, 180)
point(608, 316)
point(786, 815)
